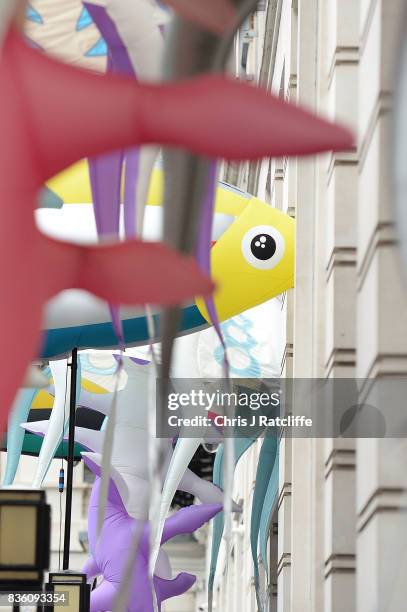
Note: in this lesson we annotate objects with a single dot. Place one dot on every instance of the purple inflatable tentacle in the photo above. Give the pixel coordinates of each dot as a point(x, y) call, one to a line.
point(120, 63)
point(105, 179)
point(166, 589)
point(111, 550)
point(107, 28)
point(106, 171)
point(188, 520)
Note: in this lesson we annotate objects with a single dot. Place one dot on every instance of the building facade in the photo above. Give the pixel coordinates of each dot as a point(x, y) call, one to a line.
point(337, 540)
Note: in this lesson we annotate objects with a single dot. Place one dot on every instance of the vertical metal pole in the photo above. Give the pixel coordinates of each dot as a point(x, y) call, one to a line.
point(71, 444)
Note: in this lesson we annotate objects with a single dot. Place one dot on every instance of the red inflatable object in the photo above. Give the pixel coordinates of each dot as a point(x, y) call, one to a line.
point(51, 115)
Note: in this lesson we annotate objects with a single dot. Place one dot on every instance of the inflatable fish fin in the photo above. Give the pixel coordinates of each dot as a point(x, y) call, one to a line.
point(241, 446)
point(15, 435)
point(182, 455)
point(39, 428)
point(58, 420)
point(204, 490)
point(101, 402)
point(90, 439)
point(269, 505)
point(265, 468)
point(49, 199)
point(217, 526)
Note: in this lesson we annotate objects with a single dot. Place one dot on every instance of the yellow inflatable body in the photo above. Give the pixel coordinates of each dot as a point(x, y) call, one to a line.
point(252, 261)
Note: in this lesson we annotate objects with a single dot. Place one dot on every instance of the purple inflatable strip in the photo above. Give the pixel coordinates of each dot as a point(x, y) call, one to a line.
point(120, 63)
point(109, 553)
point(105, 179)
point(107, 28)
point(105, 171)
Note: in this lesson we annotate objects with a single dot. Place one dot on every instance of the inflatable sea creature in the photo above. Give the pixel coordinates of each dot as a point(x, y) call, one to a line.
point(111, 550)
point(75, 319)
point(73, 118)
point(129, 464)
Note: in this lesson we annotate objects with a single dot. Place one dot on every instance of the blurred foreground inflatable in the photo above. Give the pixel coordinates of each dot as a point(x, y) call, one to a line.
point(207, 256)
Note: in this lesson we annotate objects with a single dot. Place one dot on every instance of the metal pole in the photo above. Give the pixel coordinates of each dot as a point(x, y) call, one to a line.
point(71, 444)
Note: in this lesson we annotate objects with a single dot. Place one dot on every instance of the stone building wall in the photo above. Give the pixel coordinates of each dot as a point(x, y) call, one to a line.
point(341, 537)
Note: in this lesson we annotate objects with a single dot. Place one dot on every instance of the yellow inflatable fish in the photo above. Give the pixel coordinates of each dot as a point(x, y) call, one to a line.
point(252, 261)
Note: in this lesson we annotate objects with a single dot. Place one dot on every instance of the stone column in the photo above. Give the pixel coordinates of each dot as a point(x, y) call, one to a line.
point(382, 319)
point(301, 489)
point(339, 177)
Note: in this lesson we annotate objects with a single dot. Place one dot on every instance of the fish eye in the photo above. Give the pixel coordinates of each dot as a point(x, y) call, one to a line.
point(263, 247)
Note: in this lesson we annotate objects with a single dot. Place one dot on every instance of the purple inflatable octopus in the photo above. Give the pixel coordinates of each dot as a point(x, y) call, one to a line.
point(109, 555)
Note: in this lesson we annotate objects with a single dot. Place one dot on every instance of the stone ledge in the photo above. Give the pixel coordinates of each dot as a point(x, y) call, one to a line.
point(340, 459)
point(284, 561)
point(383, 235)
point(291, 210)
point(384, 365)
point(287, 354)
point(292, 86)
point(383, 106)
point(346, 55)
point(340, 564)
point(382, 500)
point(284, 492)
point(342, 158)
point(341, 257)
point(340, 357)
